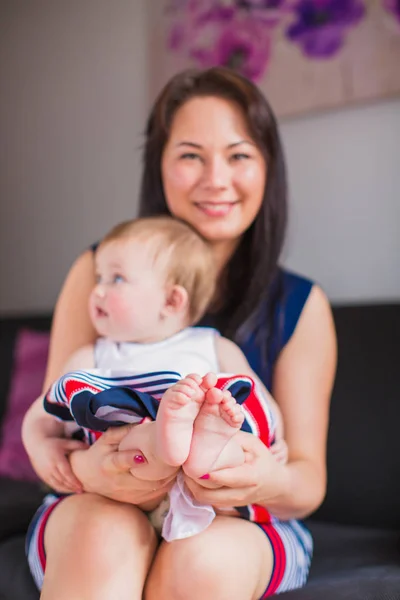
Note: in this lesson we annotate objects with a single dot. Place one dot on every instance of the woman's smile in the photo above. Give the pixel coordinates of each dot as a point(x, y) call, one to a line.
point(216, 209)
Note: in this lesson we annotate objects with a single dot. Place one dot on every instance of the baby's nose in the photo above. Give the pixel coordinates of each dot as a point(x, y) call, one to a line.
point(100, 290)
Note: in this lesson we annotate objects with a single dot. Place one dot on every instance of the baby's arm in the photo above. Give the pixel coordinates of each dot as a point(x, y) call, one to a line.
point(44, 436)
point(232, 360)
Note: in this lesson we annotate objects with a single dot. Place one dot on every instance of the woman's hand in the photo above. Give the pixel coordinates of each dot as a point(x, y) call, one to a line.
point(260, 480)
point(51, 463)
point(105, 471)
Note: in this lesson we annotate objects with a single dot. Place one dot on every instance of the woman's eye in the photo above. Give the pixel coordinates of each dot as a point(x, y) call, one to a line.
point(240, 156)
point(118, 279)
point(190, 156)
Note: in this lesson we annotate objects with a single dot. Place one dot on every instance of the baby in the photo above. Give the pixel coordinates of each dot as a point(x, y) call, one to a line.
point(155, 279)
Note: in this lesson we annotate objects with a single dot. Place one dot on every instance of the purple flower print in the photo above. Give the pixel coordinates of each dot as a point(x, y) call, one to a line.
point(243, 45)
point(255, 4)
point(393, 6)
point(321, 25)
point(269, 12)
point(233, 33)
point(195, 15)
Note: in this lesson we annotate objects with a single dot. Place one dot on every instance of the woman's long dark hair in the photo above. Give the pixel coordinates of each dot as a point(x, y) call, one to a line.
point(253, 269)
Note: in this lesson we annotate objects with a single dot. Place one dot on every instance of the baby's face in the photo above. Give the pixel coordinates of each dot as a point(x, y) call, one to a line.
point(127, 302)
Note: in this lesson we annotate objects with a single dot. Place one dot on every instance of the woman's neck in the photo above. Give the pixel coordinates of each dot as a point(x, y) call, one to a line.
point(223, 252)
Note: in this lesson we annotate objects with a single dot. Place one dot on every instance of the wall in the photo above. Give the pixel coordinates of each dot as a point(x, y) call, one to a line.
point(72, 108)
point(344, 172)
point(73, 104)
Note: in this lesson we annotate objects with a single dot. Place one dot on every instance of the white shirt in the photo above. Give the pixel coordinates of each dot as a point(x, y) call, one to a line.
point(192, 350)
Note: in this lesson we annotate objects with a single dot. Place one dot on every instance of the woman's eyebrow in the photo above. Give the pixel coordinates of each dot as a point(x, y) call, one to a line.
point(192, 144)
point(199, 146)
point(241, 142)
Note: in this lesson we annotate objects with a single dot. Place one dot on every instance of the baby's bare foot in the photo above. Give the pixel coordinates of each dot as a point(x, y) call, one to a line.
point(219, 418)
point(178, 409)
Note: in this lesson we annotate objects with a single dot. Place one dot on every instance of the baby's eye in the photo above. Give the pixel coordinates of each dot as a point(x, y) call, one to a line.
point(117, 278)
point(98, 279)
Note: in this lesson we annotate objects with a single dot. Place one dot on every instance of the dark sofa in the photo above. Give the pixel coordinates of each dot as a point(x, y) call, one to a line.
point(357, 529)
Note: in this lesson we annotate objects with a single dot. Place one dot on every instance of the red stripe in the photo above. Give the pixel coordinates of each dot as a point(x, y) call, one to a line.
point(72, 386)
point(42, 527)
point(255, 408)
point(253, 405)
point(261, 514)
point(279, 560)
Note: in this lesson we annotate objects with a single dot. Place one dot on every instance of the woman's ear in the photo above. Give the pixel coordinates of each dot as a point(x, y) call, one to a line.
point(176, 301)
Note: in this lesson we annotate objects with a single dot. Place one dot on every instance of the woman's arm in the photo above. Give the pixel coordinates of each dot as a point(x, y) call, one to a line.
point(71, 328)
point(302, 386)
point(303, 380)
point(43, 436)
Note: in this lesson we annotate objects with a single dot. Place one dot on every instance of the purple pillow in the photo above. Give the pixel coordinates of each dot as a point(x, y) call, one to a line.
point(30, 358)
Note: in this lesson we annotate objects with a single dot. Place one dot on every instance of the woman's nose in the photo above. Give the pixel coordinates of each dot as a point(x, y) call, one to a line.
point(216, 173)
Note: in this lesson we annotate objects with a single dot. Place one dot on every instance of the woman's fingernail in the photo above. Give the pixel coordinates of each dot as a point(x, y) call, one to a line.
point(139, 459)
point(206, 476)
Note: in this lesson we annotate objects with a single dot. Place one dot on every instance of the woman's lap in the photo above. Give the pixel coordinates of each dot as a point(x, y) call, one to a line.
point(286, 567)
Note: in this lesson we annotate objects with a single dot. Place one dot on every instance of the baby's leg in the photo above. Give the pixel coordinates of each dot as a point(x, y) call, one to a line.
point(213, 445)
point(178, 410)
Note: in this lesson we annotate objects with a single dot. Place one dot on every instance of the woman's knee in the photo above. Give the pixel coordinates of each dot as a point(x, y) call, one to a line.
point(97, 548)
point(96, 526)
point(198, 567)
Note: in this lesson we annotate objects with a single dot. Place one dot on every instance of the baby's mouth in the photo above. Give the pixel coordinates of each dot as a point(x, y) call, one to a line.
point(100, 313)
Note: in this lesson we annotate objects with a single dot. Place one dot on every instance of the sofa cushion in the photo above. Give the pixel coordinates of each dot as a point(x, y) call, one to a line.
point(364, 441)
point(29, 366)
point(352, 563)
point(18, 503)
point(16, 582)
point(9, 328)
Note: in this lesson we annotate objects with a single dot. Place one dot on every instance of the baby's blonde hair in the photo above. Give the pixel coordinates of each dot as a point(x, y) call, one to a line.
point(187, 257)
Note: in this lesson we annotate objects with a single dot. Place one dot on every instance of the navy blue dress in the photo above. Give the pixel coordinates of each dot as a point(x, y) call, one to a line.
point(262, 351)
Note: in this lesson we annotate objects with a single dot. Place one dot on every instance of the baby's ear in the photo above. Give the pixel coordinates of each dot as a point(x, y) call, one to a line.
point(176, 301)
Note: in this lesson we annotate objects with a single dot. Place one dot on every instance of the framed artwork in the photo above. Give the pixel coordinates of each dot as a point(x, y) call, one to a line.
point(306, 55)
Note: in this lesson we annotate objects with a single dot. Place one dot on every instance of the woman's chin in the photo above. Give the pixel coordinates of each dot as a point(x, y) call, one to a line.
point(221, 231)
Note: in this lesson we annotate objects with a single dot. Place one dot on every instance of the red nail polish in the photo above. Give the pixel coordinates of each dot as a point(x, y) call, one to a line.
point(206, 476)
point(139, 459)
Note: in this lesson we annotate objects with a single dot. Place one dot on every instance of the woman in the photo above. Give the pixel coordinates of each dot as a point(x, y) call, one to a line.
point(213, 158)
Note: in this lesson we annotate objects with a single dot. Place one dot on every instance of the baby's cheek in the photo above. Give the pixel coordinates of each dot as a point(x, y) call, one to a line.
point(118, 305)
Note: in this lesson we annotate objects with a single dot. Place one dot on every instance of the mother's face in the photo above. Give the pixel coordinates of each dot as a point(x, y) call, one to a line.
point(213, 173)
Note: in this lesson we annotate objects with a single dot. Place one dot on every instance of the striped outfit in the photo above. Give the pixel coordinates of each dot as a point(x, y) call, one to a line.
point(290, 541)
point(94, 401)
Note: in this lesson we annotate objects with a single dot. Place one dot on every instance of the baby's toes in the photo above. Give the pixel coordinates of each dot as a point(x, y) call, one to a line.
point(185, 388)
point(228, 405)
point(209, 381)
point(214, 396)
point(177, 396)
point(193, 379)
point(227, 397)
point(238, 416)
point(233, 410)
